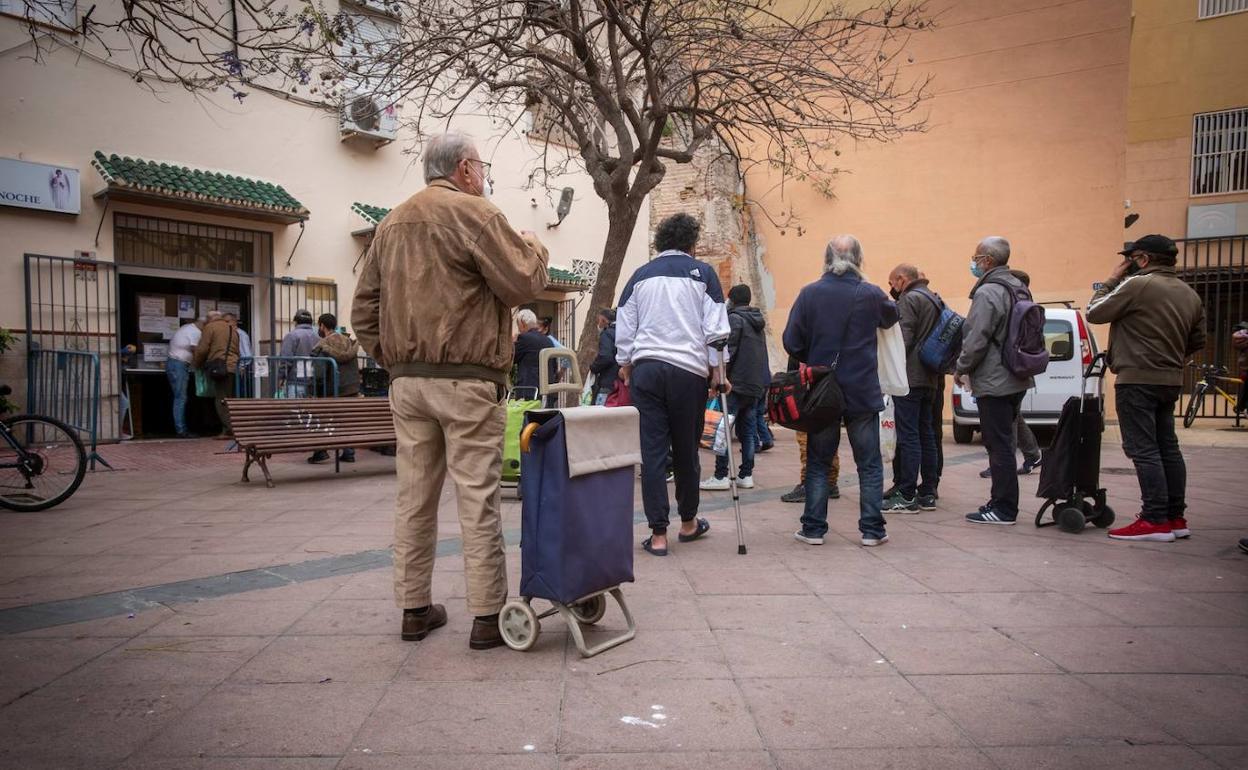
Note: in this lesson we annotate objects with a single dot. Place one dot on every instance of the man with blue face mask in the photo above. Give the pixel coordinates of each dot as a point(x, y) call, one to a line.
point(981, 369)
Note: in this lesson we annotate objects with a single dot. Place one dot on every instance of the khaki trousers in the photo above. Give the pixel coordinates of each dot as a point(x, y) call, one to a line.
point(453, 426)
point(834, 470)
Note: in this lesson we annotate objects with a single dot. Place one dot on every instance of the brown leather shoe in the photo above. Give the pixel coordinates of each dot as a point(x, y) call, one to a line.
point(417, 627)
point(485, 633)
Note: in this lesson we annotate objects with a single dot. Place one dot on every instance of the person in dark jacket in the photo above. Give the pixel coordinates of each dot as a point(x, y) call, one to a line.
point(604, 367)
point(747, 354)
point(345, 352)
point(919, 309)
point(298, 378)
point(834, 322)
point(530, 343)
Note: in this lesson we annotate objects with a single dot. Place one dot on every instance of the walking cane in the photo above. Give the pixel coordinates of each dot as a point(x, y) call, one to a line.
point(720, 345)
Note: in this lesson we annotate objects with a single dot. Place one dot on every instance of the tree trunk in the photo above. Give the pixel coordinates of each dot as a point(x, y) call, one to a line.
point(622, 218)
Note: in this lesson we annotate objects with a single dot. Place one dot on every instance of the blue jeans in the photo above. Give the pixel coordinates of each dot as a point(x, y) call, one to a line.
point(864, 438)
point(917, 449)
point(762, 431)
point(742, 410)
point(178, 373)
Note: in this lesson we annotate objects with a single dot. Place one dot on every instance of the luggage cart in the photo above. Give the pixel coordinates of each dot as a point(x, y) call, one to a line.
point(1070, 477)
point(576, 542)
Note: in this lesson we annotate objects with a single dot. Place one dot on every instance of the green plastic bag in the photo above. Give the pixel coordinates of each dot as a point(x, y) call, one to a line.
point(203, 385)
point(511, 436)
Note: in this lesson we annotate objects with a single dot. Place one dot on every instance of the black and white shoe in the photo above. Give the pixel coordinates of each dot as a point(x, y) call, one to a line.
point(987, 516)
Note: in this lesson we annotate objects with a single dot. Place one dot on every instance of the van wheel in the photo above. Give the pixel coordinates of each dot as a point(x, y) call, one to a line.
point(963, 434)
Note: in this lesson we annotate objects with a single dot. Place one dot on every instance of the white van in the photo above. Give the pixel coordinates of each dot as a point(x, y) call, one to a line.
point(1063, 326)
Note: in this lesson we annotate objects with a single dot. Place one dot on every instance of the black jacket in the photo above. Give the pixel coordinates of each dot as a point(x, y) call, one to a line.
point(747, 352)
point(529, 347)
point(919, 308)
point(604, 366)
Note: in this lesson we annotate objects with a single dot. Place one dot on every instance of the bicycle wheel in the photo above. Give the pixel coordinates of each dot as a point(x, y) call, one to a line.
point(1193, 405)
point(42, 462)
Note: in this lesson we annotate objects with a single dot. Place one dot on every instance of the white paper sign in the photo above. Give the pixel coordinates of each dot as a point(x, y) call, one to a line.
point(158, 324)
point(155, 352)
point(151, 306)
point(206, 305)
point(230, 307)
point(262, 367)
point(39, 186)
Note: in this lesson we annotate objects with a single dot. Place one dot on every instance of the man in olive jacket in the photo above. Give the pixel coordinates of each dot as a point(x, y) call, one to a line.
point(1156, 322)
point(433, 307)
point(917, 447)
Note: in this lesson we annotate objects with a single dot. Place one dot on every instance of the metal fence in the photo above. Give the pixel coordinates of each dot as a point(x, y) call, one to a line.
point(65, 385)
point(1217, 268)
point(286, 377)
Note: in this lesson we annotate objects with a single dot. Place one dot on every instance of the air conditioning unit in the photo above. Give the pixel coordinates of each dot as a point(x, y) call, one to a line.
point(363, 116)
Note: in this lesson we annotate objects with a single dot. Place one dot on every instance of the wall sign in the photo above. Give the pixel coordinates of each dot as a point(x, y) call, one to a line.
point(39, 186)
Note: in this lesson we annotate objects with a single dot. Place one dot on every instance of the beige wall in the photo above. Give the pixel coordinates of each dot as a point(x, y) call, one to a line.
point(1180, 66)
point(1025, 140)
point(63, 109)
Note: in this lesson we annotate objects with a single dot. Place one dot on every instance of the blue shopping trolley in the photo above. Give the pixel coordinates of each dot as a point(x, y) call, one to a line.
point(576, 541)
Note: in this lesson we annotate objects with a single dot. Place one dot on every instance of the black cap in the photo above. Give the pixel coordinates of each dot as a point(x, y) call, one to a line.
point(1152, 244)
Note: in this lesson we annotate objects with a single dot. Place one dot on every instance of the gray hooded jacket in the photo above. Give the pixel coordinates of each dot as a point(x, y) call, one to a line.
point(983, 335)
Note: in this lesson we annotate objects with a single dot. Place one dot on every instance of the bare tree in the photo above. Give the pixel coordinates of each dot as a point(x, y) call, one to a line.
point(625, 86)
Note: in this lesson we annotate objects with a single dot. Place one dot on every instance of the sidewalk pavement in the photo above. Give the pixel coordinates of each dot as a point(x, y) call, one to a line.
point(168, 616)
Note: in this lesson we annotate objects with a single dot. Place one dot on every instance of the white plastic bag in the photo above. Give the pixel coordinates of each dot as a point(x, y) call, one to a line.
point(888, 431)
point(891, 355)
point(720, 447)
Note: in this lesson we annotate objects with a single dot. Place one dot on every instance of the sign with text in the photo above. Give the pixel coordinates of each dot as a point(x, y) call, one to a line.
point(39, 186)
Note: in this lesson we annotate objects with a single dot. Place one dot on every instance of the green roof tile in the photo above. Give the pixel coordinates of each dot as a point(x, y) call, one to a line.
point(561, 277)
point(208, 187)
point(374, 214)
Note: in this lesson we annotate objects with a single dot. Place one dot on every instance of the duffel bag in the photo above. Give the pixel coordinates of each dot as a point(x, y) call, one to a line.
point(807, 400)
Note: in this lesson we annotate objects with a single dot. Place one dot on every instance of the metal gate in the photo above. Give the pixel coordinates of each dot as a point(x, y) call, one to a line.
point(71, 305)
point(1217, 268)
point(288, 295)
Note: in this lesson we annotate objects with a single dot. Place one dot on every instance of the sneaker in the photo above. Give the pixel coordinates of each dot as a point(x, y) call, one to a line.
point(798, 495)
point(671, 477)
point(986, 473)
point(834, 492)
point(1243, 544)
point(987, 515)
point(766, 447)
point(1178, 526)
point(899, 503)
point(1028, 466)
point(890, 492)
point(807, 539)
point(1143, 529)
point(927, 502)
point(346, 456)
point(871, 542)
point(714, 484)
point(319, 456)
point(746, 482)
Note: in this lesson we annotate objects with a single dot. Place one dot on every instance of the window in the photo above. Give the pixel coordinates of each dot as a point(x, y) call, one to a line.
point(368, 45)
point(52, 13)
point(1211, 8)
point(176, 245)
point(1059, 338)
point(1220, 152)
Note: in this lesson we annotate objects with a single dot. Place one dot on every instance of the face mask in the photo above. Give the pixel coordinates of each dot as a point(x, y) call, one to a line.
point(1133, 267)
point(896, 295)
point(487, 189)
point(976, 270)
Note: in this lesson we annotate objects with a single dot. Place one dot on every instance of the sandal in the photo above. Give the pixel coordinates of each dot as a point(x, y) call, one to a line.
point(650, 549)
point(702, 528)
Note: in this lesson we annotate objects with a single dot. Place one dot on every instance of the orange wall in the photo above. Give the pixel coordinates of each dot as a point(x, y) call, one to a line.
point(1025, 140)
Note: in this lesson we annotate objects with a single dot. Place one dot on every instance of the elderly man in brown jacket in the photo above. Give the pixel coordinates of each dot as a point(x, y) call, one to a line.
point(433, 306)
point(219, 342)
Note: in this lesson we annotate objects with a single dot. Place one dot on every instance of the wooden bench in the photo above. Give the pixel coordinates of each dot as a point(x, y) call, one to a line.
point(264, 427)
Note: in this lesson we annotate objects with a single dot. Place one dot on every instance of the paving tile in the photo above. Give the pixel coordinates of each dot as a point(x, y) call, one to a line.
point(753, 580)
point(730, 611)
point(358, 760)
point(846, 712)
point(601, 715)
point(350, 617)
point(677, 760)
point(1197, 709)
point(1061, 757)
point(856, 578)
point(1021, 610)
point(231, 617)
point(462, 717)
point(954, 651)
point(1226, 647)
point(910, 610)
point(1034, 710)
point(654, 654)
point(444, 656)
point(90, 726)
point(314, 659)
point(270, 720)
point(1230, 757)
point(800, 651)
point(230, 763)
point(27, 664)
point(891, 758)
point(1120, 649)
point(181, 660)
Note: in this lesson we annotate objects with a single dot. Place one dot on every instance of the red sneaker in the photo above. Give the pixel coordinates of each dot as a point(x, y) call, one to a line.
point(1179, 527)
point(1143, 529)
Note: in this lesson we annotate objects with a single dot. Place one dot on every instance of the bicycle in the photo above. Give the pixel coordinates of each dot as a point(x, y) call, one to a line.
point(1210, 376)
point(42, 461)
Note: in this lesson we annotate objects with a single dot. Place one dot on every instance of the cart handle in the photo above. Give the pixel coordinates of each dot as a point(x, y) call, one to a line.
point(1097, 366)
point(526, 435)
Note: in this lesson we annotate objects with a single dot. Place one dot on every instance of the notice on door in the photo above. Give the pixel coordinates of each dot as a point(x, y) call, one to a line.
point(151, 306)
point(186, 306)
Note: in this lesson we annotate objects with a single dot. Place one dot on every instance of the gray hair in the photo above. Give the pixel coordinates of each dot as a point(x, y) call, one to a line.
point(443, 154)
point(996, 247)
point(844, 253)
point(526, 319)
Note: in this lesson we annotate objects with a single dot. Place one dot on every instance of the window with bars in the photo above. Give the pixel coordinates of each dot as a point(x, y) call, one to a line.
point(175, 245)
point(1211, 8)
point(1220, 152)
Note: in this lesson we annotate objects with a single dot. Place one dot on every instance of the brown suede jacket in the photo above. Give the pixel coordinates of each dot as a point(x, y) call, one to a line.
point(219, 340)
point(439, 281)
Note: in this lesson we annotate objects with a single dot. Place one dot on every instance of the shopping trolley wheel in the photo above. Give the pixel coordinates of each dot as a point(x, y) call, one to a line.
point(1071, 519)
point(591, 610)
point(1104, 516)
point(519, 625)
